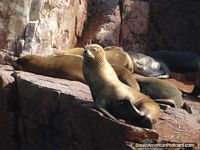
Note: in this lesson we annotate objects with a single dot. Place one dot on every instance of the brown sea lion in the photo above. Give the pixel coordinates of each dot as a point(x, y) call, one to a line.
point(115, 55)
point(161, 91)
point(64, 66)
point(126, 76)
point(110, 94)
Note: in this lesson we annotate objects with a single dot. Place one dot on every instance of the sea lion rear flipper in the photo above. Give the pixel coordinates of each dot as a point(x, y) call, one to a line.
point(124, 109)
point(166, 102)
point(187, 107)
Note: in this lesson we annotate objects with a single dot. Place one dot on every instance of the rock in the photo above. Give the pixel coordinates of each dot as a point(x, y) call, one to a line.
point(8, 109)
point(178, 126)
point(135, 18)
point(53, 114)
point(174, 25)
point(39, 27)
point(6, 87)
point(103, 24)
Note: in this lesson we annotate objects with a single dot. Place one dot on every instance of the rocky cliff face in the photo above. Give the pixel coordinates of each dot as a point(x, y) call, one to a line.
point(40, 26)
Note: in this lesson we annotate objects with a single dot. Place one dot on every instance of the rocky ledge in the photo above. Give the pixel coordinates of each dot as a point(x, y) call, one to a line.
point(39, 112)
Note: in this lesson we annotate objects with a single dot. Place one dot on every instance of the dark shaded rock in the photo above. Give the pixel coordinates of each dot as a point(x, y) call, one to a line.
point(174, 25)
point(8, 110)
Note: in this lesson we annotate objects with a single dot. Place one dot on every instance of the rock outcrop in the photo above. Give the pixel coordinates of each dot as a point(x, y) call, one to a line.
point(122, 23)
point(39, 27)
point(41, 112)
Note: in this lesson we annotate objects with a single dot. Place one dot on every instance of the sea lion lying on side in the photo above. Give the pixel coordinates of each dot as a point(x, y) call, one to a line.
point(148, 66)
point(64, 66)
point(115, 55)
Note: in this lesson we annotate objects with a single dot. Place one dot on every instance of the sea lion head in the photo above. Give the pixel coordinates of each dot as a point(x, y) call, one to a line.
point(21, 62)
point(93, 53)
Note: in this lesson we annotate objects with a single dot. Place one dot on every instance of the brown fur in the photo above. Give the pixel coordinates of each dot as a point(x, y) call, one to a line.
point(115, 55)
point(107, 90)
point(66, 66)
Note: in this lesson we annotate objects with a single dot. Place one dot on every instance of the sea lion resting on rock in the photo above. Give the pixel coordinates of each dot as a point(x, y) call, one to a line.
point(114, 55)
point(64, 66)
point(162, 92)
point(181, 62)
point(111, 94)
point(148, 66)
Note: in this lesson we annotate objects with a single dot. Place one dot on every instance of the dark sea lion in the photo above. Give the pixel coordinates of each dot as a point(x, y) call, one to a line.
point(110, 94)
point(148, 66)
point(181, 62)
point(115, 55)
point(66, 66)
point(161, 91)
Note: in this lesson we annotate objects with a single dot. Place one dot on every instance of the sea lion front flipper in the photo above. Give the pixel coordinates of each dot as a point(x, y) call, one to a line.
point(195, 91)
point(124, 109)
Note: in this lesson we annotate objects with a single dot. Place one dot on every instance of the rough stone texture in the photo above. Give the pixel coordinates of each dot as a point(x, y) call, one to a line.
point(122, 23)
point(53, 116)
point(135, 18)
point(51, 113)
point(177, 125)
point(174, 25)
point(39, 27)
point(8, 109)
point(103, 24)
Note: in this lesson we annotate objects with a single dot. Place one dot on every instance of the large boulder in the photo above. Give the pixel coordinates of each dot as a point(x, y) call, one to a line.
point(53, 114)
point(39, 112)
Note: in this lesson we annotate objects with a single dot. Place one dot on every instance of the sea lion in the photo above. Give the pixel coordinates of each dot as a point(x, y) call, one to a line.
point(115, 55)
point(126, 76)
point(161, 91)
point(65, 66)
point(148, 66)
point(115, 97)
point(181, 62)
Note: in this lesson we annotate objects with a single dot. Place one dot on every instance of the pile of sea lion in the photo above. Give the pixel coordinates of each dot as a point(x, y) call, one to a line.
point(117, 92)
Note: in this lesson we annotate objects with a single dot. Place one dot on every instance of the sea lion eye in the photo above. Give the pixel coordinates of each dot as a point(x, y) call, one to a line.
point(95, 49)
